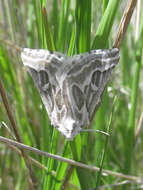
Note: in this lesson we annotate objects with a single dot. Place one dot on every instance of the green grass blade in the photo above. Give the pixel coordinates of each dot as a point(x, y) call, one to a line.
point(105, 26)
point(54, 19)
point(48, 34)
point(83, 25)
point(130, 139)
point(105, 148)
point(63, 25)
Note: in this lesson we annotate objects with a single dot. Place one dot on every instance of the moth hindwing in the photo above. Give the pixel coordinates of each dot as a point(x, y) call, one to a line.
point(71, 88)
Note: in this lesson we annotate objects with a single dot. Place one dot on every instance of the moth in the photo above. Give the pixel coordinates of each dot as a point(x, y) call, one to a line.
point(71, 88)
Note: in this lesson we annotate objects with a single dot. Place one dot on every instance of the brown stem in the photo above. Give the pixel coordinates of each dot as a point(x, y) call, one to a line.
point(15, 128)
point(66, 180)
point(69, 161)
point(124, 23)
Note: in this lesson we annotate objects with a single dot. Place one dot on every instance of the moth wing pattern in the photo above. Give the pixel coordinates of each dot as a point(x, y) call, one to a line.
point(71, 87)
point(88, 77)
point(43, 66)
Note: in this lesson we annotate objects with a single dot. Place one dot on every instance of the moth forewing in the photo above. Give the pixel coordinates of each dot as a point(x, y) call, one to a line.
point(70, 87)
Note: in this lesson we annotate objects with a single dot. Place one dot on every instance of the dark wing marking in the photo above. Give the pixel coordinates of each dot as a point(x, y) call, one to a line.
point(43, 67)
point(91, 72)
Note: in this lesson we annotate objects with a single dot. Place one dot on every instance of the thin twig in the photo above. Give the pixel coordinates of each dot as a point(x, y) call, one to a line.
point(115, 185)
point(67, 178)
point(69, 161)
point(124, 23)
point(34, 182)
point(35, 162)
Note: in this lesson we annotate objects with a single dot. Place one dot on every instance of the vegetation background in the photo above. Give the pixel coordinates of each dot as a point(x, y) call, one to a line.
point(72, 27)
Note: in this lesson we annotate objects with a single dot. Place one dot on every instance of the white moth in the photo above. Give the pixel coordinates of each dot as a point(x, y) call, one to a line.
point(71, 87)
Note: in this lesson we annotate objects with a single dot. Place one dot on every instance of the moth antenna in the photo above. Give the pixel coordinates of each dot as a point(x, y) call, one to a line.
point(12, 45)
point(95, 130)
